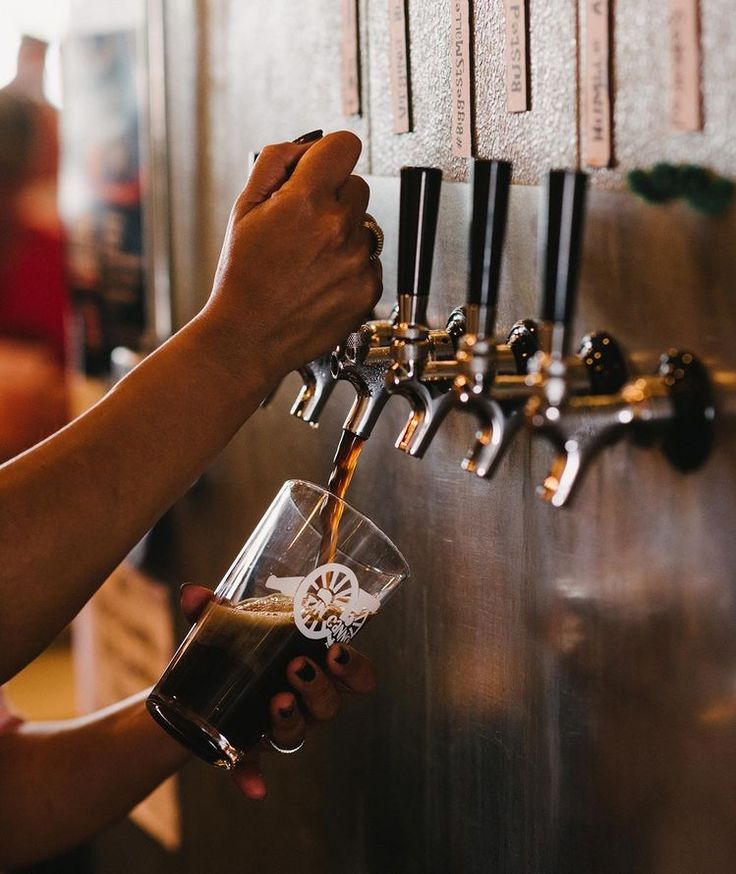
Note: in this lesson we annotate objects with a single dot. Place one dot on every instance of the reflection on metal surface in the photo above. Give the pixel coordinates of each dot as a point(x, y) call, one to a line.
point(655, 704)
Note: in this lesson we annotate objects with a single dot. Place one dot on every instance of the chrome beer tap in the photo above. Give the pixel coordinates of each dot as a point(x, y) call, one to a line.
point(482, 361)
point(673, 407)
point(676, 404)
point(367, 355)
point(423, 360)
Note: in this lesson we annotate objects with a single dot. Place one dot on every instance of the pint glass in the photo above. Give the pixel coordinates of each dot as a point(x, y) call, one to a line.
point(312, 573)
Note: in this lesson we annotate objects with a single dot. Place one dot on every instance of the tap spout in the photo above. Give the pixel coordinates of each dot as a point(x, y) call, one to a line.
point(366, 372)
point(430, 400)
point(318, 384)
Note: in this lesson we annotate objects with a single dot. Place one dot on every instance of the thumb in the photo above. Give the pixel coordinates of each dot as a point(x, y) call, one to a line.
point(193, 600)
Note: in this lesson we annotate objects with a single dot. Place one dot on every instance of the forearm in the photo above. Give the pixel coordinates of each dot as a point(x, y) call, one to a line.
point(60, 783)
point(71, 508)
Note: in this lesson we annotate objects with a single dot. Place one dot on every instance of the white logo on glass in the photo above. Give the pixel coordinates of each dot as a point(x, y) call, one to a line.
point(328, 603)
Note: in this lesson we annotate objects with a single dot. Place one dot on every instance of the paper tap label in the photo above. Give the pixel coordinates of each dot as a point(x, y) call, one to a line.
point(329, 604)
point(687, 102)
point(462, 107)
point(597, 119)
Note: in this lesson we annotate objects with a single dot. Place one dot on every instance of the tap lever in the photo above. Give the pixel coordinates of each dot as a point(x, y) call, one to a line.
point(457, 326)
point(560, 240)
point(688, 440)
point(523, 343)
point(605, 364)
point(418, 212)
point(491, 185)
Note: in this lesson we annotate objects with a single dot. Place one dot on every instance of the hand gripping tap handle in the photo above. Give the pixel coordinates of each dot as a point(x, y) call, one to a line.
point(491, 187)
point(560, 241)
point(418, 211)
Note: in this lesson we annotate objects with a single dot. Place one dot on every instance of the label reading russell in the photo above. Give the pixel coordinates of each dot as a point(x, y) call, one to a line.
point(350, 58)
point(517, 62)
point(462, 111)
point(687, 102)
point(598, 132)
point(399, 60)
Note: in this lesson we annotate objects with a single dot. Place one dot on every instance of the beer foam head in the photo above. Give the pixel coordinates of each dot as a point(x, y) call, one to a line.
point(230, 624)
point(278, 606)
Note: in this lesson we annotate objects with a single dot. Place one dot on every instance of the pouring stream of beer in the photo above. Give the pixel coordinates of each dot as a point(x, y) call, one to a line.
point(343, 468)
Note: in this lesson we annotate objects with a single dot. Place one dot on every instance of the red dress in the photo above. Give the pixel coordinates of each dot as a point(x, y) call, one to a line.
point(33, 299)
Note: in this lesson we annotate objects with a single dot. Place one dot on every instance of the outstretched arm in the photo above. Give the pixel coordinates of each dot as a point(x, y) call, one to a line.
point(294, 278)
point(63, 782)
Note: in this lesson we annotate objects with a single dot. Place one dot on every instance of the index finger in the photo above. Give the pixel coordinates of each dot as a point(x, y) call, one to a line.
point(274, 166)
point(351, 667)
point(328, 164)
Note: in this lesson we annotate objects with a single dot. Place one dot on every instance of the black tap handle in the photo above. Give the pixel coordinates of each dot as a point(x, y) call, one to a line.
point(491, 186)
point(560, 245)
point(420, 200)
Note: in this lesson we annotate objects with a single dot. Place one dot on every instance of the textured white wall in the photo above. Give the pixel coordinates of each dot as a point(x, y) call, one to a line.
point(275, 68)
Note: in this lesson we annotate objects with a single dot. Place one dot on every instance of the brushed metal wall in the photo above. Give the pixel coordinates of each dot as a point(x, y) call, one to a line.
point(556, 687)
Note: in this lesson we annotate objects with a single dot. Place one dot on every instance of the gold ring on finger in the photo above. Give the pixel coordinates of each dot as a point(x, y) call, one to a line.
point(372, 225)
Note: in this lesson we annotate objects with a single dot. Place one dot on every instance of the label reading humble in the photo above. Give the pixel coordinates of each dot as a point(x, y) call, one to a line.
point(598, 127)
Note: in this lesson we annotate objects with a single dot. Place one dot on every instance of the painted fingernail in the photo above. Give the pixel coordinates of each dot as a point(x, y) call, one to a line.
point(343, 657)
point(286, 712)
point(309, 138)
point(306, 673)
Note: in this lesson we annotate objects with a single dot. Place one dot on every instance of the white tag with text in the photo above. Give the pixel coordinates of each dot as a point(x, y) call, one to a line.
point(399, 65)
point(598, 133)
point(517, 61)
point(462, 110)
point(687, 100)
point(350, 58)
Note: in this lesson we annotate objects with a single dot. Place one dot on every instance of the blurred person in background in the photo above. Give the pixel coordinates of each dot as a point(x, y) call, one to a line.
point(33, 297)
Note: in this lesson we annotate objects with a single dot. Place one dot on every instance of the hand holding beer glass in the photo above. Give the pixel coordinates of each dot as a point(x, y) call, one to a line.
point(311, 574)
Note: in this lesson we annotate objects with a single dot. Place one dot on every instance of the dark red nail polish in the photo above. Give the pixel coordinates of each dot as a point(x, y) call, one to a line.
point(306, 673)
point(308, 138)
point(343, 657)
point(286, 712)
